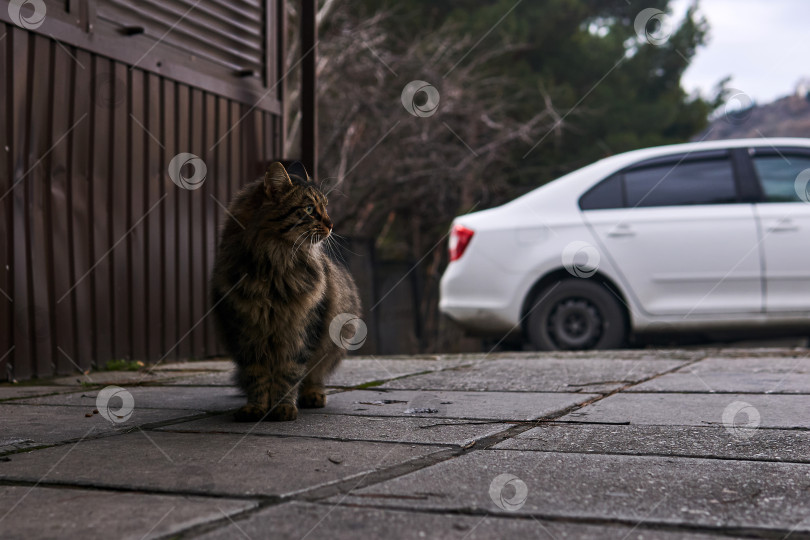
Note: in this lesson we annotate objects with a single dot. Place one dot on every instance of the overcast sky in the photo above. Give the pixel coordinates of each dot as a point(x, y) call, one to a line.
point(763, 44)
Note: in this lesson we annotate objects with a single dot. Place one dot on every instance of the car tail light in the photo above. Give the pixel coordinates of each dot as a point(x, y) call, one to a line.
point(459, 239)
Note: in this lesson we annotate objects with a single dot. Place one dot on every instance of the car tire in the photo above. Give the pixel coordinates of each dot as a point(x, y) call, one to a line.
point(576, 314)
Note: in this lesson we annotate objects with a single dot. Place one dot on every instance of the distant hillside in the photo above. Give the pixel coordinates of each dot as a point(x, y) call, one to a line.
point(785, 117)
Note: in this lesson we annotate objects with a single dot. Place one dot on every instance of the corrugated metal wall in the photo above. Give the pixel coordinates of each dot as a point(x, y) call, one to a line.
point(102, 256)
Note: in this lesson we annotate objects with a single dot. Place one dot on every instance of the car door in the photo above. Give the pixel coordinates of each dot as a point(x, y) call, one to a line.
point(683, 240)
point(784, 216)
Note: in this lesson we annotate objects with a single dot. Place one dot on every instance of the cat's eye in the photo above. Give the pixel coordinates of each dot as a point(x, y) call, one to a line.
point(309, 209)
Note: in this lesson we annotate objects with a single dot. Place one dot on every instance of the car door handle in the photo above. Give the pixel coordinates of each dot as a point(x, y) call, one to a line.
point(784, 226)
point(621, 231)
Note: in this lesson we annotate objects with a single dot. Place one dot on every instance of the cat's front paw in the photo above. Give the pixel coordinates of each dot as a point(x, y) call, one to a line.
point(312, 399)
point(249, 413)
point(283, 412)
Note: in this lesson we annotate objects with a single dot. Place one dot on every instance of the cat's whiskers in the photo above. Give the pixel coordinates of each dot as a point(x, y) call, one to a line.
point(295, 249)
point(337, 238)
point(334, 248)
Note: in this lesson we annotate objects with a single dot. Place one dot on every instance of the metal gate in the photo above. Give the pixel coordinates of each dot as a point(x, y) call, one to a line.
point(103, 253)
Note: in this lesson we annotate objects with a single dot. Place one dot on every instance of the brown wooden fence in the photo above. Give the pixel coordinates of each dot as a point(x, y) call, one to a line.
point(102, 256)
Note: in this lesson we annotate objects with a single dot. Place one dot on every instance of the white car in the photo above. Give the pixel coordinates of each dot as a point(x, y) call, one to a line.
point(692, 237)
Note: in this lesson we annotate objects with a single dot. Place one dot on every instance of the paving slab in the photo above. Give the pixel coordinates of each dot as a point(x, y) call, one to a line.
point(295, 521)
point(516, 406)
point(758, 375)
point(728, 410)
point(763, 444)
point(8, 392)
point(354, 428)
point(209, 378)
point(120, 378)
point(25, 426)
point(632, 489)
point(221, 464)
point(42, 512)
point(541, 374)
point(223, 364)
point(359, 371)
point(201, 398)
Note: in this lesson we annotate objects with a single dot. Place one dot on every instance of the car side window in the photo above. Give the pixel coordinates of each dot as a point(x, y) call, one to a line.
point(604, 195)
point(709, 181)
point(778, 176)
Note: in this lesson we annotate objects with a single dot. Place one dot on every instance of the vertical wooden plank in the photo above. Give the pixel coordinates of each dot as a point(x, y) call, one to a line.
point(234, 146)
point(168, 211)
point(17, 41)
point(7, 149)
point(257, 146)
point(196, 283)
point(223, 171)
point(37, 186)
point(212, 212)
point(156, 188)
point(61, 226)
point(280, 72)
point(269, 150)
point(137, 208)
point(245, 129)
point(183, 214)
point(309, 81)
point(121, 216)
point(100, 263)
point(81, 234)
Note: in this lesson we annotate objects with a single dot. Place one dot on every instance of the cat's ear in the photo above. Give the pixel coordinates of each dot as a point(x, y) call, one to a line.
point(276, 179)
point(298, 169)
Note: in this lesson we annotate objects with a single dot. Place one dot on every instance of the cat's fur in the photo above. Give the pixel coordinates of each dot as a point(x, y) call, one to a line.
point(275, 292)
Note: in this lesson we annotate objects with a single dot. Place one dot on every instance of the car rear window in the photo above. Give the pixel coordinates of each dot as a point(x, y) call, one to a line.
point(676, 184)
point(604, 195)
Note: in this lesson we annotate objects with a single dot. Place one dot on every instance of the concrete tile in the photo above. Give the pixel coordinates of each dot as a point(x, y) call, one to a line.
point(763, 444)
point(120, 378)
point(222, 464)
point(357, 371)
point(541, 374)
point(295, 520)
point(631, 489)
point(44, 512)
point(224, 364)
point(201, 398)
point(758, 374)
point(19, 392)
point(353, 428)
point(219, 378)
point(440, 404)
point(772, 410)
point(25, 426)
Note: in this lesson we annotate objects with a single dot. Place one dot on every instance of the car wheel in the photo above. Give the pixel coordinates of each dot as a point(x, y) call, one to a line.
point(576, 314)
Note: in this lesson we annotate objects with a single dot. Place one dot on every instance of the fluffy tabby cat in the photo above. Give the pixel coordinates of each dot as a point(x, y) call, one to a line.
point(275, 292)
